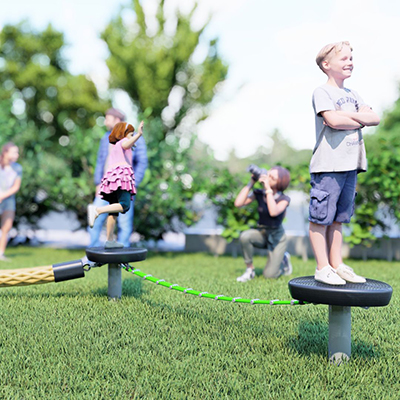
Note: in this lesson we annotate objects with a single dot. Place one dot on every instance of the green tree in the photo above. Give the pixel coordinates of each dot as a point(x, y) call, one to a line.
point(224, 186)
point(222, 190)
point(171, 92)
point(280, 152)
point(378, 189)
point(51, 115)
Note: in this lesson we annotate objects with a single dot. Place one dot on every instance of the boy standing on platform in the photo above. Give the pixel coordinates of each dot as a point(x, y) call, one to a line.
point(338, 156)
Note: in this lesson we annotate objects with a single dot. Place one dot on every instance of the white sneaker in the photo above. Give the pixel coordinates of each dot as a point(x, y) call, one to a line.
point(329, 276)
point(248, 275)
point(287, 265)
point(92, 214)
point(347, 273)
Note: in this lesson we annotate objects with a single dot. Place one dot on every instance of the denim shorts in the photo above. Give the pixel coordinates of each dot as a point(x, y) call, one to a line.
point(332, 197)
point(7, 204)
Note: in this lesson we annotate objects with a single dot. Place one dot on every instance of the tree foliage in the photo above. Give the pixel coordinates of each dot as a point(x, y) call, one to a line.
point(225, 183)
point(51, 115)
point(55, 119)
point(377, 202)
point(171, 90)
point(158, 71)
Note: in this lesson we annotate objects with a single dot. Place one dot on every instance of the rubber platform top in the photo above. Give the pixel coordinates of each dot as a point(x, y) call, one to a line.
point(115, 256)
point(369, 294)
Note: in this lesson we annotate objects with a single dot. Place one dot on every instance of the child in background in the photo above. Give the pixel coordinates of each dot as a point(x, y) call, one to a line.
point(118, 183)
point(339, 155)
point(10, 183)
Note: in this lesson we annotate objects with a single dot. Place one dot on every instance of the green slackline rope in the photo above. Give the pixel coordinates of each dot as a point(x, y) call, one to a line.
point(207, 295)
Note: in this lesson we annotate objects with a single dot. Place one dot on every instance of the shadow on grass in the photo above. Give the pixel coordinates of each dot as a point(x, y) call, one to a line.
point(179, 254)
point(313, 339)
point(364, 350)
point(259, 271)
point(4, 295)
point(130, 288)
point(20, 254)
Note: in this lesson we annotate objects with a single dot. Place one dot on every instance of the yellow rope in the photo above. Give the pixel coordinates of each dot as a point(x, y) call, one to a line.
point(26, 276)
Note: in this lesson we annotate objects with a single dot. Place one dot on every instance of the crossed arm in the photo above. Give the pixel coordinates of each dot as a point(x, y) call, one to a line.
point(344, 120)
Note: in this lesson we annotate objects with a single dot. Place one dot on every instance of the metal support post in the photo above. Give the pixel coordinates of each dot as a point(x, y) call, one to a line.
point(114, 282)
point(339, 345)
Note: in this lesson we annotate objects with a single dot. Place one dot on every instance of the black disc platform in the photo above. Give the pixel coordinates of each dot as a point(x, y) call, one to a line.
point(369, 294)
point(115, 256)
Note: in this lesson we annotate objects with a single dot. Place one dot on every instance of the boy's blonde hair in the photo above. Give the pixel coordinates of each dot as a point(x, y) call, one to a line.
point(326, 50)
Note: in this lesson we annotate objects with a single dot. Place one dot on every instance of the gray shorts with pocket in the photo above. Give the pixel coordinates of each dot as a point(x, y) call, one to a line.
point(332, 197)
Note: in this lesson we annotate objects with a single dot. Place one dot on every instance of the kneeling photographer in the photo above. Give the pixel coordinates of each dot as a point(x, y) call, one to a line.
point(269, 233)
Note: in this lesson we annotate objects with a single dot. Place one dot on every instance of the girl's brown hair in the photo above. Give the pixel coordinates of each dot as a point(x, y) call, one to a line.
point(283, 178)
point(120, 131)
point(4, 150)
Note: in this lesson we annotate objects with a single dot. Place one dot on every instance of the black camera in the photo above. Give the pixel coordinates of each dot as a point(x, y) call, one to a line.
point(256, 171)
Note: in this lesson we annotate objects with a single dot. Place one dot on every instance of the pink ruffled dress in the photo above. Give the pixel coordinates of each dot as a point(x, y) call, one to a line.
point(120, 173)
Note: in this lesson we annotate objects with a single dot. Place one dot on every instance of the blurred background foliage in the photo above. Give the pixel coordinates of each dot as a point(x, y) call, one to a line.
point(171, 91)
point(56, 118)
point(377, 202)
point(51, 115)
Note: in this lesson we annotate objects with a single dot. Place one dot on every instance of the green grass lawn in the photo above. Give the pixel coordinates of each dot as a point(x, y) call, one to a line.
point(66, 340)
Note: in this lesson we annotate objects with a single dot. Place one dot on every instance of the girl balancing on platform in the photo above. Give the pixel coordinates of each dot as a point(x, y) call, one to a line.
point(118, 183)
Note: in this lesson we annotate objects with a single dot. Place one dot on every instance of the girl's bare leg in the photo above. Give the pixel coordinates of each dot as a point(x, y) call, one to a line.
point(7, 219)
point(111, 221)
point(111, 208)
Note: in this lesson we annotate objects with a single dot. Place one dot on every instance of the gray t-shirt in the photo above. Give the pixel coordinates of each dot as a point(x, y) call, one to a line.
point(337, 150)
point(8, 175)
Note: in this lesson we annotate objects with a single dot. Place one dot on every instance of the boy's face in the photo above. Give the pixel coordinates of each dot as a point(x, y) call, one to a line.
point(339, 65)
